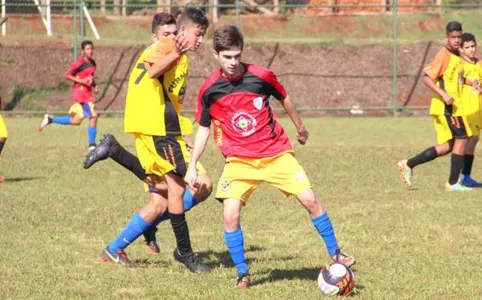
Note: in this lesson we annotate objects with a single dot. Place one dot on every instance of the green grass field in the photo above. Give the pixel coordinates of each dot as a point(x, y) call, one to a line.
point(421, 243)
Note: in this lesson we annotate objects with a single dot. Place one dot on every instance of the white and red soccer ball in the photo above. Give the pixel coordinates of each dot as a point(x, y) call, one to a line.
point(336, 279)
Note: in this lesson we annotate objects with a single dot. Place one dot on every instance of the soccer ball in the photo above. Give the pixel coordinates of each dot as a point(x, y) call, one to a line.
point(336, 279)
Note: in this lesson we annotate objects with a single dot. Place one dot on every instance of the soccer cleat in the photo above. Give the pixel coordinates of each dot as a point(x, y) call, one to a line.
point(153, 246)
point(100, 152)
point(456, 187)
point(343, 258)
point(242, 282)
point(119, 257)
point(405, 172)
point(192, 261)
point(150, 239)
point(469, 182)
point(44, 123)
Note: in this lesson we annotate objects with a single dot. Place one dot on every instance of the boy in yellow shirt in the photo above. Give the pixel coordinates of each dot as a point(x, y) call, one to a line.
point(472, 99)
point(444, 76)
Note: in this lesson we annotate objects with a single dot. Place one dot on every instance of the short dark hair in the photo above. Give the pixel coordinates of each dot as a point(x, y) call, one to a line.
point(468, 37)
point(85, 43)
point(453, 26)
point(194, 15)
point(161, 19)
point(227, 37)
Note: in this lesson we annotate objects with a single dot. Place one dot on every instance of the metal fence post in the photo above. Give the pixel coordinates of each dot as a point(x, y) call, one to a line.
point(75, 29)
point(394, 29)
point(238, 19)
point(82, 23)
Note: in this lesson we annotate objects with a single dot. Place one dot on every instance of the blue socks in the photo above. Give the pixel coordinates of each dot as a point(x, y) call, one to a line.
point(136, 226)
point(63, 120)
point(235, 242)
point(92, 134)
point(325, 229)
point(189, 202)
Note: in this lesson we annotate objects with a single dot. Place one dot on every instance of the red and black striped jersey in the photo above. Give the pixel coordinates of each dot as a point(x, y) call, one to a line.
point(244, 123)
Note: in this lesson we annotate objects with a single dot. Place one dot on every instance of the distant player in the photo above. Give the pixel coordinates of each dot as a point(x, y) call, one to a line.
point(444, 76)
point(471, 97)
point(235, 100)
point(81, 73)
point(163, 25)
point(156, 89)
point(3, 139)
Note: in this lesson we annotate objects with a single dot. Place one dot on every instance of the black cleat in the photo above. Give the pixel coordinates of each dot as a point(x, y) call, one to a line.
point(100, 152)
point(192, 261)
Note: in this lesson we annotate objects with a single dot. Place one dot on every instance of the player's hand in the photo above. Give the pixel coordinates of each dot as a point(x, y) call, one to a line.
point(189, 142)
point(476, 83)
point(96, 89)
point(191, 177)
point(302, 135)
point(182, 43)
point(448, 99)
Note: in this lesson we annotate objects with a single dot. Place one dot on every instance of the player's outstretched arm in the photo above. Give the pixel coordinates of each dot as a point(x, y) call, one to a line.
point(432, 86)
point(200, 141)
point(301, 132)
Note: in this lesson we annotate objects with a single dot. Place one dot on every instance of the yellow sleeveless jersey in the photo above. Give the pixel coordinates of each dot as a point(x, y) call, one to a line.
point(446, 70)
point(470, 100)
point(153, 104)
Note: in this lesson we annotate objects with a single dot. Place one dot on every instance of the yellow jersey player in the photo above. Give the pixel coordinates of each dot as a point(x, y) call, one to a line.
point(163, 25)
point(3, 139)
point(472, 99)
point(156, 89)
point(444, 76)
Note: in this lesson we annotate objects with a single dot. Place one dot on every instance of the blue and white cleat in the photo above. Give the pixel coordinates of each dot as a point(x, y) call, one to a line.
point(469, 182)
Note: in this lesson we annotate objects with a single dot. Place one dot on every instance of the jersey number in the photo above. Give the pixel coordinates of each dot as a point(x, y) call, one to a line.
point(142, 67)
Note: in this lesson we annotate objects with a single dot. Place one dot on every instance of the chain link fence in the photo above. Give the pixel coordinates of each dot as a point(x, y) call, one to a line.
point(335, 56)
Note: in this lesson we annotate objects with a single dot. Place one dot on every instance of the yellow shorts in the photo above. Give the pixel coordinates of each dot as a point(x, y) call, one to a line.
point(475, 122)
point(241, 176)
point(83, 110)
point(451, 127)
point(3, 128)
point(160, 155)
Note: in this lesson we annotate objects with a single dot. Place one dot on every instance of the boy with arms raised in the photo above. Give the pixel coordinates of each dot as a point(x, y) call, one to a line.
point(155, 93)
point(235, 100)
point(444, 76)
point(163, 25)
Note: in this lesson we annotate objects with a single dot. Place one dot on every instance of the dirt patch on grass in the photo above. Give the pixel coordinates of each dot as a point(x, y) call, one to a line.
point(315, 76)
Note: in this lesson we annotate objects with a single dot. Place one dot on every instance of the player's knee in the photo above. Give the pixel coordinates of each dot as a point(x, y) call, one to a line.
point(309, 200)
point(75, 121)
point(205, 188)
point(231, 221)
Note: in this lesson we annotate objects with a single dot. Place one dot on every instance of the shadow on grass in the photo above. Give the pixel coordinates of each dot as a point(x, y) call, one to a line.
point(19, 179)
point(216, 258)
point(302, 274)
point(145, 263)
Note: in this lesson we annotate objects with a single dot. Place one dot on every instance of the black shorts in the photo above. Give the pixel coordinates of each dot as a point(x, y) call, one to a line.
point(457, 127)
point(169, 149)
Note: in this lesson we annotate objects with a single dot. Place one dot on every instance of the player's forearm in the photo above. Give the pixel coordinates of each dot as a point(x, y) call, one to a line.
point(433, 87)
point(163, 65)
point(73, 79)
point(200, 141)
point(290, 109)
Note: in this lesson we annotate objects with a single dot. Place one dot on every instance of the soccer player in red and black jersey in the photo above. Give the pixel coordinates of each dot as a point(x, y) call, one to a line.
point(235, 101)
point(81, 73)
